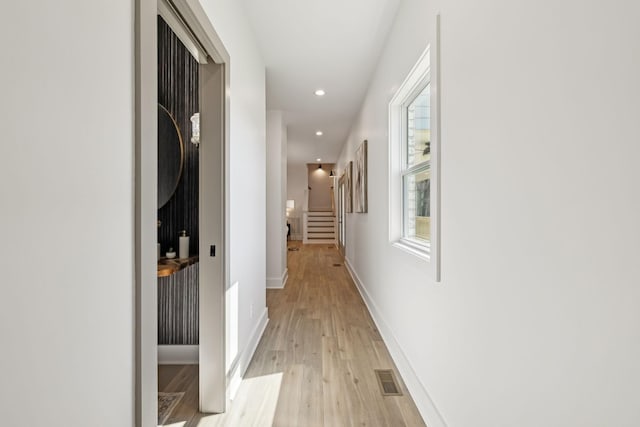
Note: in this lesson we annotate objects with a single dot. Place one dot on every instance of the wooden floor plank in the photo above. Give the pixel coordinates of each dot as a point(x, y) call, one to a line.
point(180, 378)
point(314, 366)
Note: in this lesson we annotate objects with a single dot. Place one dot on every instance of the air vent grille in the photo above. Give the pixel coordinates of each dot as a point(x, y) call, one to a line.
point(387, 382)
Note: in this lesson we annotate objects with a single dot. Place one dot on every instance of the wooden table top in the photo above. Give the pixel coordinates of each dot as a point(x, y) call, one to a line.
point(169, 266)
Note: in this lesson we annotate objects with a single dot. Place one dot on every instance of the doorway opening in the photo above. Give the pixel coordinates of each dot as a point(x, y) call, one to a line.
point(178, 223)
point(181, 75)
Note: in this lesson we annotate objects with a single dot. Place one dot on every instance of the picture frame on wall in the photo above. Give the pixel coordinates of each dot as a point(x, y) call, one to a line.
point(348, 173)
point(360, 179)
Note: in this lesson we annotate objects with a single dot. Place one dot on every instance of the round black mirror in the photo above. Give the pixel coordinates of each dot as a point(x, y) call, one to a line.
point(170, 156)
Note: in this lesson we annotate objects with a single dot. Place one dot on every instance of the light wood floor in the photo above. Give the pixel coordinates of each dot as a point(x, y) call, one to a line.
point(315, 363)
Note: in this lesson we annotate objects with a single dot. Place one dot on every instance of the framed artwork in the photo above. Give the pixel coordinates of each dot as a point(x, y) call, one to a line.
point(360, 179)
point(348, 193)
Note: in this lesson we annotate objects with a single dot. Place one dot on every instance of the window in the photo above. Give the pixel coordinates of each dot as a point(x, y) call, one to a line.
point(416, 178)
point(413, 165)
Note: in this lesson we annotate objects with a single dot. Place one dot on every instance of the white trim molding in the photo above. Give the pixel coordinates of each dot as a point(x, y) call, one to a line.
point(278, 282)
point(178, 355)
point(423, 401)
point(173, 19)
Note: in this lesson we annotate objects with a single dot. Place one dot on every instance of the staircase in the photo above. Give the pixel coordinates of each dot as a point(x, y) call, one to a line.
point(320, 227)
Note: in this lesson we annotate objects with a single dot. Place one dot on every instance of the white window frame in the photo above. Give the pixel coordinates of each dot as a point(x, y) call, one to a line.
point(422, 74)
point(407, 170)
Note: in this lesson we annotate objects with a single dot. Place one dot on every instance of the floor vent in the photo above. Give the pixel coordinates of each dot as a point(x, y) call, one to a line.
point(387, 382)
point(337, 265)
point(330, 247)
point(294, 249)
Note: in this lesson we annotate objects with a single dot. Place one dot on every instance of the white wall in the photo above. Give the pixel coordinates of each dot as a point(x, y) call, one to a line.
point(276, 200)
point(536, 321)
point(296, 191)
point(297, 185)
point(320, 183)
point(247, 174)
point(66, 185)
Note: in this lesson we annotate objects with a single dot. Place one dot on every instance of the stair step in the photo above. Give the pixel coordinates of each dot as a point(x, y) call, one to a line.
point(321, 241)
point(321, 218)
point(320, 235)
point(320, 230)
point(320, 226)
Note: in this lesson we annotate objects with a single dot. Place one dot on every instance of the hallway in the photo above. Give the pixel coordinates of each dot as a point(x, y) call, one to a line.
point(315, 363)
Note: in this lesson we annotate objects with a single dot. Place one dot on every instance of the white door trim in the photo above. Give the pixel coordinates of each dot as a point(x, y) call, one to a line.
point(145, 214)
point(213, 265)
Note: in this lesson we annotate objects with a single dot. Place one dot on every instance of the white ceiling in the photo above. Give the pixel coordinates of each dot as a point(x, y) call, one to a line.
point(311, 44)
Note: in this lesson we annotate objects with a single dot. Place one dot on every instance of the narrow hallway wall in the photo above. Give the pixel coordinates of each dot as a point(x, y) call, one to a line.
point(246, 181)
point(535, 321)
point(296, 190)
point(276, 183)
point(67, 228)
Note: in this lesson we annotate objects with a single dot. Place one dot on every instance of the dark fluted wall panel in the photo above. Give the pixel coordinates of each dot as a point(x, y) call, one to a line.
point(178, 93)
point(178, 307)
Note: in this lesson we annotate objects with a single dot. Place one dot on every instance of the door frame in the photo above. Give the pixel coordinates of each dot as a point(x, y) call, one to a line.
point(342, 218)
point(213, 398)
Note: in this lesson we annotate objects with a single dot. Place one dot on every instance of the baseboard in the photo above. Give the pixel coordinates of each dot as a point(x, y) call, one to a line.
point(242, 360)
point(426, 407)
point(178, 355)
point(278, 282)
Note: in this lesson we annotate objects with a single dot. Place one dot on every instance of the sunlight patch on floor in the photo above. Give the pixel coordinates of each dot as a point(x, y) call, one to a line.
point(254, 405)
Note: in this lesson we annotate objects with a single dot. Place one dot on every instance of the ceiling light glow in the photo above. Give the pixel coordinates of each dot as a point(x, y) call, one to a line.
point(319, 133)
point(320, 92)
point(318, 160)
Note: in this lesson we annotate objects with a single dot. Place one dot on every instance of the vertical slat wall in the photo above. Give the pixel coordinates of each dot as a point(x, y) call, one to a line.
point(178, 307)
point(178, 93)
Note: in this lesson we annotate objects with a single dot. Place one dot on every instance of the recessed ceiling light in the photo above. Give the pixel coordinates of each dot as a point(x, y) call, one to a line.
point(320, 92)
point(319, 133)
point(318, 160)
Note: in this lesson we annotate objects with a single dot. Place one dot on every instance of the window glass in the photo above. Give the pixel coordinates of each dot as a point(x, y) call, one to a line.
point(416, 174)
point(417, 194)
point(419, 128)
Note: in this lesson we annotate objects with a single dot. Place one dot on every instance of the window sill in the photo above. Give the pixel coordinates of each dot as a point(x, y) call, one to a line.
point(415, 249)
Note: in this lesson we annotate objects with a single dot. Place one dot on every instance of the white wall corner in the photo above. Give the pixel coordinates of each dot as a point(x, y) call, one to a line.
point(241, 363)
point(278, 282)
point(423, 401)
point(276, 196)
